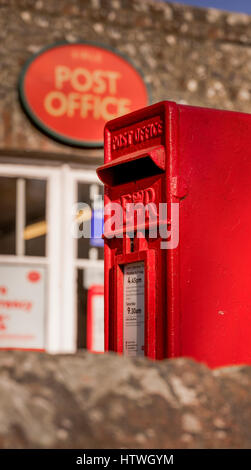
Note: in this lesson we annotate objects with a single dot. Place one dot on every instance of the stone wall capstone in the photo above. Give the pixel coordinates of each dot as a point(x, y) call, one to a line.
point(88, 401)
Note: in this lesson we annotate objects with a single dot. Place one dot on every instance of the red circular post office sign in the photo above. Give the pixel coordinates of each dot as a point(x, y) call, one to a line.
point(71, 90)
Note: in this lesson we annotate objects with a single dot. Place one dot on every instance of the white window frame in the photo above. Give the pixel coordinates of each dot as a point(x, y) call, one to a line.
point(52, 304)
point(61, 250)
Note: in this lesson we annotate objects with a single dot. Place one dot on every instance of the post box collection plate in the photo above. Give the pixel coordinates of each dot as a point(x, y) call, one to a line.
point(134, 309)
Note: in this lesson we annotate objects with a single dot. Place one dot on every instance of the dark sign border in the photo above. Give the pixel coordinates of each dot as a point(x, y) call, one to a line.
point(46, 129)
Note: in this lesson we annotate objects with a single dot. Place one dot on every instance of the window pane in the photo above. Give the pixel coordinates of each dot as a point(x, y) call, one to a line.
point(35, 221)
point(81, 310)
point(7, 215)
point(91, 248)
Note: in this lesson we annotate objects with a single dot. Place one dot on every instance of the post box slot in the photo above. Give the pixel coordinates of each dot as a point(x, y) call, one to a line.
point(133, 167)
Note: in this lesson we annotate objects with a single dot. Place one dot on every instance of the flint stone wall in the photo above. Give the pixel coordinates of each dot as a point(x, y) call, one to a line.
point(187, 54)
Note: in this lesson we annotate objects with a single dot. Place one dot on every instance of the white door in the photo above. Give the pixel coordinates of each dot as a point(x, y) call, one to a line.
point(82, 262)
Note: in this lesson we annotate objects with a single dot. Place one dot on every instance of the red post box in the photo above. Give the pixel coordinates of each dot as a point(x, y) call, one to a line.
point(95, 319)
point(183, 288)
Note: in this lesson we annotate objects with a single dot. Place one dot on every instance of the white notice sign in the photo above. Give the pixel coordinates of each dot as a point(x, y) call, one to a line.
point(22, 305)
point(134, 309)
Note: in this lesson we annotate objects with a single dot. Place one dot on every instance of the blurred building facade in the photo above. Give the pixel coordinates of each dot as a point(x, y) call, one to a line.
point(194, 56)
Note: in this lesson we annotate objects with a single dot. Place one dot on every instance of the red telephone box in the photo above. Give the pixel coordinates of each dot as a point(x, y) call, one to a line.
point(95, 319)
point(185, 290)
